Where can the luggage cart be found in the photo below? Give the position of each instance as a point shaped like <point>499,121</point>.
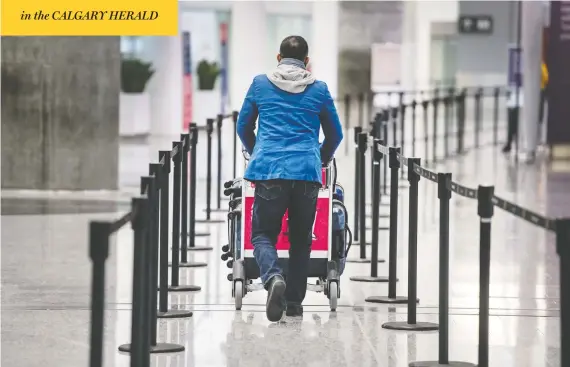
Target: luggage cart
<point>331,239</point>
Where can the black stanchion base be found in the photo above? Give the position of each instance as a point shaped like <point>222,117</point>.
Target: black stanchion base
<point>388,300</point>
<point>404,326</point>
<point>363,261</point>
<point>209,221</point>
<point>369,279</point>
<point>174,314</point>
<point>200,248</point>
<point>158,348</point>
<point>190,264</point>
<point>437,364</point>
<point>184,288</point>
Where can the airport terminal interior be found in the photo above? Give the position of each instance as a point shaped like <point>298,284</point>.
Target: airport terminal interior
<point>97,130</point>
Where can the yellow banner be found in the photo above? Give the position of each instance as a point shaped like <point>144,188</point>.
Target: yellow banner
<point>89,18</point>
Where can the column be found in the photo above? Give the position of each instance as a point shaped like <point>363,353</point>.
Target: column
<point>409,45</point>
<point>248,47</point>
<point>532,25</point>
<point>60,113</point>
<point>323,50</point>
<point>165,86</point>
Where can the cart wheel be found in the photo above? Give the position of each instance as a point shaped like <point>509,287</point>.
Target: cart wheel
<point>238,293</point>
<point>333,295</point>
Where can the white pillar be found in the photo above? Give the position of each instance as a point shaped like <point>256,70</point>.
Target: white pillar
<point>409,45</point>
<point>422,31</point>
<point>165,86</point>
<point>248,47</point>
<point>532,25</point>
<point>323,49</point>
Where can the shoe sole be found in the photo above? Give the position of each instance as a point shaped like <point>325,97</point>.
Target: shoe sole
<point>275,305</point>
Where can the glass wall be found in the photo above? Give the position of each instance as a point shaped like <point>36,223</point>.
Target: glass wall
<point>443,60</point>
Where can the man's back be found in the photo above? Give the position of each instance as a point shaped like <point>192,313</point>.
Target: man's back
<point>291,106</point>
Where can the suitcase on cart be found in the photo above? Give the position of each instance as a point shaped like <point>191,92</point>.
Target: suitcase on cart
<point>331,239</point>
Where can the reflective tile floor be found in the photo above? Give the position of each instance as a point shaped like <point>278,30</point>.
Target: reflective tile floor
<point>46,283</point>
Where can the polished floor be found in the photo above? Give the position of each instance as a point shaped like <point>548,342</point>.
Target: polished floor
<point>46,280</point>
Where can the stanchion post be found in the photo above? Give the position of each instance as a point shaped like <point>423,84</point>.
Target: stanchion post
<point>361,109</point>
<point>176,181</point>
<point>209,130</point>
<point>176,234</point>
<point>444,195</point>
<point>346,119</point>
<point>362,147</point>
<point>563,250</point>
<point>98,252</point>
<point>192,212</point>
<point>235,115</point>
<point>377,156</point>
<point>164,156</point>
<point>402,127</point>
<point>460,102</point>
<point>140,349</point>
<point>425,105</point>
<point>411,324</point>
<point>434,127</point>
<point>393,233</point>
<point>394,116</point>
<point>496,94</point>
<point>155,169</point>
<point>478,95</point>
<point>208,210</point>
<point>192,234</point>
<point>357,131</point>
<point>392,298</point>
<point>220,120</point>
<point>152,261</point>
<point>385,119</point>
<point>185,139</point>
<point>414,106</point>
<point>159,248</point>
<point>485,212</point>
<point>446,122</point>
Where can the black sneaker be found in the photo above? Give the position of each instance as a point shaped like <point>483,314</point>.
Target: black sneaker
<point>506,149</point>
<point>294,310</point>
<point>275,299</point>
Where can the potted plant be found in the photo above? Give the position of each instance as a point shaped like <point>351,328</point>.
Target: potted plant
<point>135,74</point>
<point>134,102</point>
<point>207,74</point>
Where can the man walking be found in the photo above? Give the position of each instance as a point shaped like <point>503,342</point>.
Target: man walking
<point>286,159</point>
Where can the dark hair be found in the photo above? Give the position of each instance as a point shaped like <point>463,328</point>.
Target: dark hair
<point>294,47</point>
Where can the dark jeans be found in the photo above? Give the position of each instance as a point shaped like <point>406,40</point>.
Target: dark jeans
<point>272,199</point>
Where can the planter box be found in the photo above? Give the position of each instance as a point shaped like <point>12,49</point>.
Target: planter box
<point>207,104</point>
<point>134,114</point>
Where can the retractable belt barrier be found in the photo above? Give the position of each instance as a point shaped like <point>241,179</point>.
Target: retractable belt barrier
<point>154,243</point>
<point>487,200</point>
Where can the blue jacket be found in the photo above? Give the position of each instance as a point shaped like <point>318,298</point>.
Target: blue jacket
<point>287,142</point>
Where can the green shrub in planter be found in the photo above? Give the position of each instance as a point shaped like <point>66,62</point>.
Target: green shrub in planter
<point>135,74</point>
<point>207,74</point>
